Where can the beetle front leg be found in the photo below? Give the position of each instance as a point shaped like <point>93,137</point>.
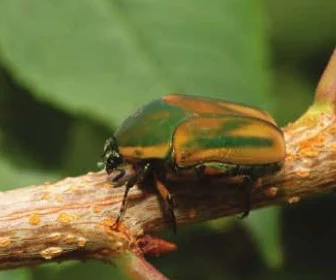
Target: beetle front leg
<point>131,182</point>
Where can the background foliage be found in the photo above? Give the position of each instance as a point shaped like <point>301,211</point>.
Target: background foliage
<point>70,71</point>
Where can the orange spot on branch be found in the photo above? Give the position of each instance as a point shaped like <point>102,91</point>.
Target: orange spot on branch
<point>34,219</point>
<point>5,241</point>
<point>66,218</point>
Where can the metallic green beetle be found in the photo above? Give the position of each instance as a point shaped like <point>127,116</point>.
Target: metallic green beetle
<point>178,132</point>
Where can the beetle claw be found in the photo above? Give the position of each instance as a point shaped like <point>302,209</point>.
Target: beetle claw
<point>244,214</point>
<point>119,176</point>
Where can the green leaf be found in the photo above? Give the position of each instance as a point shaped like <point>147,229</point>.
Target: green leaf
<point>84,147</point>
<point>292,91</point>
<point>17,274</point>
<point>106,57</point>
<point>75,270</point>
<point>265,229</point>
<point>304,36</point>
<point>12,177</point>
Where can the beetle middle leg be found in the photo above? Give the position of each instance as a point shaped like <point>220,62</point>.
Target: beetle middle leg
<point>168,198</point>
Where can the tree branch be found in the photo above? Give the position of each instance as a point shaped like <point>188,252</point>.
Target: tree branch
<point>74,218</point>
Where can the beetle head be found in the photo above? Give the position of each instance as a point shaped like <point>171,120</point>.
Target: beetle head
<point>111,155</point>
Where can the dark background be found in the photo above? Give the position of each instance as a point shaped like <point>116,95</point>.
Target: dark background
<point>71,71</point>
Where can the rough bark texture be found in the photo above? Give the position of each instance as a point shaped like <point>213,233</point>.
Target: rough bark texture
<point>74,218</point>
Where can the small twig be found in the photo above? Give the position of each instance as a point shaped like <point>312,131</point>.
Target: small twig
<point>74,218</point>
<point>326,89</point>
<point>139,269</point>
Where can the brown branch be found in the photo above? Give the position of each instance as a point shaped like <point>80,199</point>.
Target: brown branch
<point>73,218</point>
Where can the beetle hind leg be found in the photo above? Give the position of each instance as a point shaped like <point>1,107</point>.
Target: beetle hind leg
<point>247,188</point>
<point>200,172</point>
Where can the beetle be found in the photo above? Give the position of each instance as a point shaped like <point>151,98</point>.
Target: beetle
<point>179,132</point>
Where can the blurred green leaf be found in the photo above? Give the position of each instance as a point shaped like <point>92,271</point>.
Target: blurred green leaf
<point>296,274</point>
<point>221,224</point>
<point>33,133</point>
<point>75,270</point>
<point>107,57</point>
<point>265,228</point>
<point>17,274</point>
<point>309,234</point>
<point>12,177</point>
<point>85,146</point>
<point>300,28</point>
<point>292,92</point>
<point>206,252</point>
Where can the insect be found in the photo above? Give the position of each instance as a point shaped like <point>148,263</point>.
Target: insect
<point>179,132</point>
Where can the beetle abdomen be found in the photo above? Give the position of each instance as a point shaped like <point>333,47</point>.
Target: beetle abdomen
<point>236,140</point>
